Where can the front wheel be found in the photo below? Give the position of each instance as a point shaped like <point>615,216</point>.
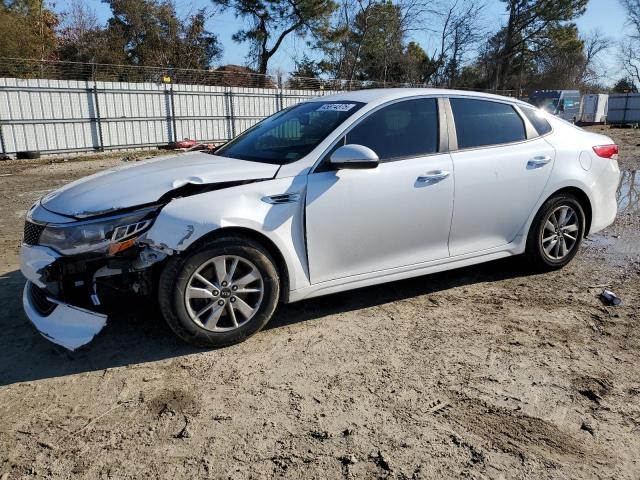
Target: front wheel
<point>221,293</point>
<point>556,233</point>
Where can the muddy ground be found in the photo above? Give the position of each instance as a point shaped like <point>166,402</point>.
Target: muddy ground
<point>487,372</point>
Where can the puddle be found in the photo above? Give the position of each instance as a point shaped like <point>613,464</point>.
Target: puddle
<point>628,193</point>
<point>619,249</point>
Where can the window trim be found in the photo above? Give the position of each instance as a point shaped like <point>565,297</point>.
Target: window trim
<point>523,115</point>
<point>530,132</point>
<point>443,137</point>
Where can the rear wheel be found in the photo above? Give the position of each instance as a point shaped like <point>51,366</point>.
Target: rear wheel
<point>221,293</point>
<point>556,233</point>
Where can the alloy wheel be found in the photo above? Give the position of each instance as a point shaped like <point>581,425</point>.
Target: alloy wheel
<point>224,293</point>
<point>559,235</point>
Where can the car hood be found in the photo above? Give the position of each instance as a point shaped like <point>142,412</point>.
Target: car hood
<point>146,182</point>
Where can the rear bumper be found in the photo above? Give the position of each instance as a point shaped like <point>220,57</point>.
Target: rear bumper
<point>63,324</point>
<point>605,203</point>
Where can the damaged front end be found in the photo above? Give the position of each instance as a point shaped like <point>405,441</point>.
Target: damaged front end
<point>79,272</point>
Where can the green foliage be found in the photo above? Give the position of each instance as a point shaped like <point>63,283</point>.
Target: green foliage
<point>625,85</point>
<point>148,32</point>
<point>529,26</point>
<point>273,20</point>
<point>559,60</point>
<point>305,75</point>
<point>373,47</point>
<point>377,41</point>
<point>27,30</point>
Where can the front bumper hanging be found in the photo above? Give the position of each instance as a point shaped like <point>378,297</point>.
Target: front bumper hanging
<point>66,325</point>
<point>59,322</point>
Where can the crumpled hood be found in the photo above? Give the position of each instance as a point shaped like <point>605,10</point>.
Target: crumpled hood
<point>145,182</point>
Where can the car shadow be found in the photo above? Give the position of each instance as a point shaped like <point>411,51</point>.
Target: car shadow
<point>142,336</point>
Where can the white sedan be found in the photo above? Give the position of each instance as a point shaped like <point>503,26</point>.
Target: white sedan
<point>335,193</point>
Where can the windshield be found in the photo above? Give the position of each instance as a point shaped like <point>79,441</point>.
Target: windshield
<point>290,134</point>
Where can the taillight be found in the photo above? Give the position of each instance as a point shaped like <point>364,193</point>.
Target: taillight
<point>607,151</point>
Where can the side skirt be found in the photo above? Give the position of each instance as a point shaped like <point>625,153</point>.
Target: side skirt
<point>401,273</point>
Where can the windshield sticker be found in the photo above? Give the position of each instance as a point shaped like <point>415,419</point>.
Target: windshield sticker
<point>336,107</point>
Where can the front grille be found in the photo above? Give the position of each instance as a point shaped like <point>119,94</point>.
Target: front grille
<point>40,302</point>
<point>32,232</point>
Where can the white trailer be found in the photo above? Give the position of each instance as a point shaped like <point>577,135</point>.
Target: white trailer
<point>594,109</point>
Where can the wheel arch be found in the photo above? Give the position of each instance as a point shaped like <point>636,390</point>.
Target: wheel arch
<point>262,239</point>
<point>583,199</point>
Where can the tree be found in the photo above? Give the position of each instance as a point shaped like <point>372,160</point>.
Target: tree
<point>595,44</point>
<point>625,85</point>
<point>378,39</point>
<point>27,29</point>
<point>457,34</point>
<point>630,45</point>
<point>529,22</point>
<point>419,67</point>
<point>366,39</point>
<point>272,21</point>
<point>305,75</point>
<point>149,33</point>
<point>80,35</point>
<point>559,61</point>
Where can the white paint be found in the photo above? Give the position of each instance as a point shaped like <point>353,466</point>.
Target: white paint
<point>352,228</point>
<point>145,182</point>
<point>496,190</point>
<point>585,160</point>
<point>33,261</point>
<point>594,108</point>
<point>68,326</point>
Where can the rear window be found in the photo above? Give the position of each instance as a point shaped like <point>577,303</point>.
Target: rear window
<point>481,122</point>
<point>537,120</point>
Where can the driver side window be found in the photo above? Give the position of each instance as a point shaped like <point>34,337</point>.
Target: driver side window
<point>400,130</point>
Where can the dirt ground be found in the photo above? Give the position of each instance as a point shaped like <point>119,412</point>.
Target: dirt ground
<point>487,372</point>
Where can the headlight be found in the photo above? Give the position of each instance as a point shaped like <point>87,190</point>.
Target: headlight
<point>108,234</point>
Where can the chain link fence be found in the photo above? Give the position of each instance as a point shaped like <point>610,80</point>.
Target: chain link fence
<point>60,107</point>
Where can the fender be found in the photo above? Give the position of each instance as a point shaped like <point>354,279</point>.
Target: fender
<point>184,221</point>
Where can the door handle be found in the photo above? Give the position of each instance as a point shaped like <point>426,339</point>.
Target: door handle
<point>433,177</point>
<point>537,162</point>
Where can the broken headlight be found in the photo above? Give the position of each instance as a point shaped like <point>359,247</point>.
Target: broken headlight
<point>107,234</point>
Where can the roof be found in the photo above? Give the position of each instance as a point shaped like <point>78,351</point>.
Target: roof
<point>380,95</point>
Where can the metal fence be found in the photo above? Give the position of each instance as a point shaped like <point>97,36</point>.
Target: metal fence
<point>624,108</point>
<point>61,107</point>
<point>61,116</point>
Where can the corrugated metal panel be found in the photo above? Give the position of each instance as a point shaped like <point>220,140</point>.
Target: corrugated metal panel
<point>624,108</point>
<point>64,115</point>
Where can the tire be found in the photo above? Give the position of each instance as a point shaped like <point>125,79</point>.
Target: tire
<point>231,327</point>
<point>536,253</point>
<point>28,155</point>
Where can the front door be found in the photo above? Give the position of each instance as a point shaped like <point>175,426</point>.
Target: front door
<point>398,214</point>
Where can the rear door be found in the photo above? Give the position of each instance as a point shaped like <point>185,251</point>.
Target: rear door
<point>500,174</point>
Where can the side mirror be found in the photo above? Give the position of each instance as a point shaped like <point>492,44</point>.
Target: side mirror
<point>354,157</point>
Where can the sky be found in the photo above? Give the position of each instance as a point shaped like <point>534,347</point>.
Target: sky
<point>607,15</point>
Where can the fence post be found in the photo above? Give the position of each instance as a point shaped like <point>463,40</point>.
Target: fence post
<point>626,104</point>
<point>280,99</point>
<point>98,119</point>
<point>228,106</point>
<point>173,115</point>
<point>2,144</point>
